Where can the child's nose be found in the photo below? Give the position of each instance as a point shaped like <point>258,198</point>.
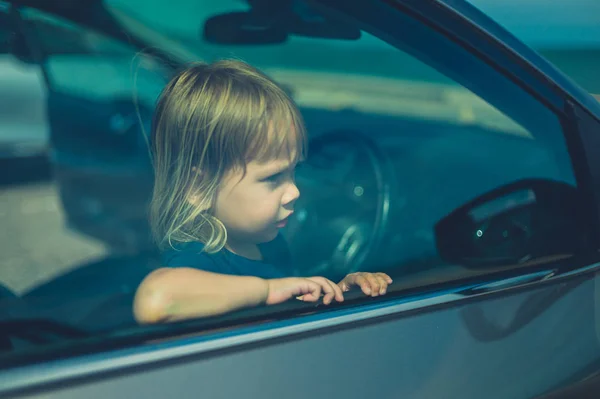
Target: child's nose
<point>291,194</point>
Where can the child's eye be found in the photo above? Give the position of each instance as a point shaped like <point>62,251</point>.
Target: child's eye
<point>278,178</point>
<point>273,178</point>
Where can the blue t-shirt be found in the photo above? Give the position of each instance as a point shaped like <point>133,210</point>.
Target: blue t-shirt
<point>276,261</point>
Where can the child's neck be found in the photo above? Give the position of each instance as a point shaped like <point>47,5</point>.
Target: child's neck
<point>245,250</point>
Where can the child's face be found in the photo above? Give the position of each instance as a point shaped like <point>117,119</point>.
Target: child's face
<point>253,207</point>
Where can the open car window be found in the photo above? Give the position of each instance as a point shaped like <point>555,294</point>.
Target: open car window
<point>424,163</point>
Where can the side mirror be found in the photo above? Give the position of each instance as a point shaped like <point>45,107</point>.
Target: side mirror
<point>514,224</point>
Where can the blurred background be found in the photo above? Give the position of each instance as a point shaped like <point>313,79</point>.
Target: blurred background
<point>566,32</point>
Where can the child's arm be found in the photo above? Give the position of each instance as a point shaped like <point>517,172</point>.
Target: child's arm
<point>170,294</point>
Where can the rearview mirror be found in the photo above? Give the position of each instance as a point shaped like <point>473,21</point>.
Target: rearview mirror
<point>272,27</point>
<point>242,28</point>
<point>514,224</point>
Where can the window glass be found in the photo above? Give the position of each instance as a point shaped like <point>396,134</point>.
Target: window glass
<point>569,37</point>
<point>77,58</point>
<point>410,172</point>
<point>23,127</point>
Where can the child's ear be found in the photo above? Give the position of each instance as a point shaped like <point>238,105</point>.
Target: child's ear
<point>194,199</point>
<point>198,201</point>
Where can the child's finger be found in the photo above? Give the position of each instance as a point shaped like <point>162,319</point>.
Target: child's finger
<point>344,286</point>
<point>339,293</point>
<point>330,290</point>
<point>383,284</point>
<point>387,278</point>
<point>327,288</point>
<point>363,283</point>
<point>314,291</point>
<point>374,284</point>
<point>310,297</point>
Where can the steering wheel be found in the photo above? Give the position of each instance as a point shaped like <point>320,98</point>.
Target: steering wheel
<point>341,216</point>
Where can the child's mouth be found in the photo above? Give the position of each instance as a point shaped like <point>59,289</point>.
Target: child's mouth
<point>281,224</point>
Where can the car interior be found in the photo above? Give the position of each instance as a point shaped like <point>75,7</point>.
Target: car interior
<point>389,178</point>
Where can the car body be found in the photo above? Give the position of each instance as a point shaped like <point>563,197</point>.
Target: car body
<point>444,152</point>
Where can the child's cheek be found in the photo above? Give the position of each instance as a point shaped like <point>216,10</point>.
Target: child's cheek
<point>267,209</point>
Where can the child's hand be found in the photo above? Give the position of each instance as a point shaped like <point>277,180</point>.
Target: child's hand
<point>309,289</point>
<point>373,284</point>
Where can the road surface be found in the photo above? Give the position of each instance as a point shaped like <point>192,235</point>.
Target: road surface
<point>34,244</point>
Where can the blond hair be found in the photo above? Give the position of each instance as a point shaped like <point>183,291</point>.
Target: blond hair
<point>209,120</point>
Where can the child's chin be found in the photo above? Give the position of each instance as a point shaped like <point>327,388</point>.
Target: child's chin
<point>269,236</point>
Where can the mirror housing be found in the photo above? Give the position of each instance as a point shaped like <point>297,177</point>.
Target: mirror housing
<point>514,224</point>
<point>242,28</point>
<point>272,22</point>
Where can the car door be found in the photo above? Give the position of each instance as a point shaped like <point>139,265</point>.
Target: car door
<point>491,231</point>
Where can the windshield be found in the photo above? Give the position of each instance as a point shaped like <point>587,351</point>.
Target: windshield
<point>306,66</point>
